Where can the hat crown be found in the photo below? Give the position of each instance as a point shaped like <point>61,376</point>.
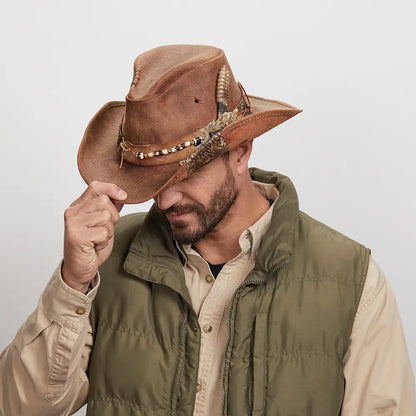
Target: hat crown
<point>154,70</point>
<point>173,93</point>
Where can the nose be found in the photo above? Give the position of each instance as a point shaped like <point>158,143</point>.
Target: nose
<point>169,197</point>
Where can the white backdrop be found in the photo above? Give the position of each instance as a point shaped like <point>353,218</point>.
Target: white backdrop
<point>350,65</point>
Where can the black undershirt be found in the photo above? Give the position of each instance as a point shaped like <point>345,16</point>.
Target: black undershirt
<point>215,268</point>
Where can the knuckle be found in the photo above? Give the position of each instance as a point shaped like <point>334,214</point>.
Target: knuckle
<point>107,215</point>
<point>102,199</point>
<point>68,213</point>
<point>105,234</point>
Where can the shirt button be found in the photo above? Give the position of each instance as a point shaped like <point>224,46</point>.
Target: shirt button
<point>80,310</point>
<point>207,328</point>
<point>209,278</point>
<point>198,388</point>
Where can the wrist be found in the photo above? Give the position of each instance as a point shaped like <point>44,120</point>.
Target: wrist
<point>79,287</point>
<point>74,283</point>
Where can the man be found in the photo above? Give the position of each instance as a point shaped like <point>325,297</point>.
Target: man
<point>224,298</point>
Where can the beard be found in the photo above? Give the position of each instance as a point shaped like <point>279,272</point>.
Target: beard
<point>208,218</point>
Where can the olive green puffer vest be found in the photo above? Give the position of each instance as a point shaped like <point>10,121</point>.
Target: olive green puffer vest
<point>289,325</point>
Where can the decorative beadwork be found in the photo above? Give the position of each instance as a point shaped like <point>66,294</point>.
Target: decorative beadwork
<point>196,141</point>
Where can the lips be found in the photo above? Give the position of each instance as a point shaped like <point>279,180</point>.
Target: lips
<point>175,216</point>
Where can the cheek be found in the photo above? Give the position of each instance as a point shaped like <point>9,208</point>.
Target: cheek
<point>200,194</point>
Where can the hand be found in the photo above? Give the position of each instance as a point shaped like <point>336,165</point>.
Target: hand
<point>89,232</point>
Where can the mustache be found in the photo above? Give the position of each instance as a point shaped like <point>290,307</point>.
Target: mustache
<point>183,209</point>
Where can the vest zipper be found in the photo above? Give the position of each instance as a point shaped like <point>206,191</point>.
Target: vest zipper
<point>250,393</point>
<point>181,369</point>
<point>238,290</point>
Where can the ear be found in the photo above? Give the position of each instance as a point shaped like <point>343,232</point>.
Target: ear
<point>241,155</point>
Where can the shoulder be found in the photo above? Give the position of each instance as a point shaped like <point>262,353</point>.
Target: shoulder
<point>320,236</point>
<point>336,256</point>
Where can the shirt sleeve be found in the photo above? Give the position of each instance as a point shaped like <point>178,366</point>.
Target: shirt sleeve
<point>43,370</point>
<point>378,373</point>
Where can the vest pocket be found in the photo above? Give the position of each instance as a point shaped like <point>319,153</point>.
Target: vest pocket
<point>258,388</point>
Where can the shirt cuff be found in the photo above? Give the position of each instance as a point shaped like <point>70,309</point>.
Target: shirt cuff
<point>65,305</point>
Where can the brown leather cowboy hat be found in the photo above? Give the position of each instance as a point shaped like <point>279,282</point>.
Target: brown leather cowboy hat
<point>184,108</point>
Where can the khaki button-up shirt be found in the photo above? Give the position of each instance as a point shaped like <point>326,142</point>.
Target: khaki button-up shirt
<point>43,371</point>
<point>211,300</point>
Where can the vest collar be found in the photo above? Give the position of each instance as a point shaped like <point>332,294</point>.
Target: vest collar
<point>153,255</point>
<point>278,241</point>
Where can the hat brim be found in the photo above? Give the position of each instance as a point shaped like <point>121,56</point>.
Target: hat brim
<point>99,159</point>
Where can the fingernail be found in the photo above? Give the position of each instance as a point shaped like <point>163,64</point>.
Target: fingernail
<point>122,194</point>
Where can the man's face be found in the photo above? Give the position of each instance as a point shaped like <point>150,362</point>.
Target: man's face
<point>195,206</point>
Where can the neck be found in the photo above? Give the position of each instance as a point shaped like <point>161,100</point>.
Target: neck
<point>222,243</point>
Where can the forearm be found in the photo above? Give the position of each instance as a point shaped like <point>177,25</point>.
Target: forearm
<point>43,369</point>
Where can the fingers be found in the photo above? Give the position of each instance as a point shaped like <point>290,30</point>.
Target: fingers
<point>81,226</point>
<point>99,237</point>
<point>94,209</point>
<point>99,203</point>
<point>96,189</point>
